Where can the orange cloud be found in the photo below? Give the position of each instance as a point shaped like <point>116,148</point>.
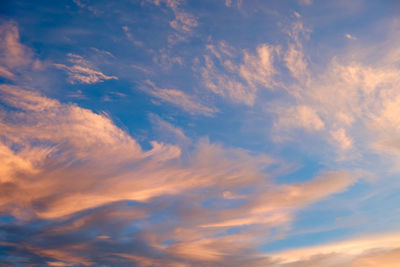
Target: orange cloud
<point>372,250</point>
<point>71,164</point>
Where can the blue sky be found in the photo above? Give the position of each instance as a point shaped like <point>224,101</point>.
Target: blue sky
<point>199,133</point>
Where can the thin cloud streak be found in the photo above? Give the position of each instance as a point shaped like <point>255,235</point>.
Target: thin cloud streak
<point>82,71</point>
<point>178,98</point>
<point>371,250</point>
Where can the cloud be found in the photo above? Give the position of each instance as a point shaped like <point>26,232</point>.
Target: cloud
<point>258,69</point>
<point>306,2</point>
<point>82,71</point>
<point>238,82</point>
<point>6,73</point>
<point>347,93</point>
<point>230,3</point>
<point>77,190</point>
<point>295,62</point>
<point>130,36</point>
<point>302,117</point>
<point>294,57</point>
<point>98,195</point>
<point>178,98</point>
<point>351,101</point>
<point>84,5</point>
<point>372,250</point>
<point>184,23</point>
<point>75,132</point>
<point>166,60</point>
<point>14,56</point>
<point>350,37</point>
<point>239,78</point>
<point>168,131</point>
<point>342,139</point>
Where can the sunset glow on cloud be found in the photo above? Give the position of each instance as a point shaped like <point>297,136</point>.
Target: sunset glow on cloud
<point>199,133</point>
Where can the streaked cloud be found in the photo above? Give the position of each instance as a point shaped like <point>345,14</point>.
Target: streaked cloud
<point>130,36</point>
<point>238,82</point>
<point>168,131</point>
<point>178,98</point>
<point>184,23</point>
<point>13,54</point>
<point>372,250</point>
<point>82,71</point>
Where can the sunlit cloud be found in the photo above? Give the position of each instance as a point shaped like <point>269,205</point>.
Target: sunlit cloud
<point>15,56</point>
<point>372,250</point>
<point>178,98</point>
<point>60,155</point>
<point>82,71</point>
<point>184,23</point>
<point>350,37</point>
<point>175,133</point>
<point>238,82</point>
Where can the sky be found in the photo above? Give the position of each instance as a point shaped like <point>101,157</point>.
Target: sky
<point>200,133</point>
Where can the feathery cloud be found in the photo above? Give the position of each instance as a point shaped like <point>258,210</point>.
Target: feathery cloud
<point>82,71</point>
<point>178,98</point>
<point>238,82</point>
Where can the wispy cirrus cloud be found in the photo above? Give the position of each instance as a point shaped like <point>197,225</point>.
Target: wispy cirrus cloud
<point>240,78</point>
<point>82,71</point>
<point>86,5</point>
<point>178,98</point>
<point>168,131</point>
<point>130,36</point>
<point>15,56</point>
<point>238,82</point>
<point>183,23</point>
